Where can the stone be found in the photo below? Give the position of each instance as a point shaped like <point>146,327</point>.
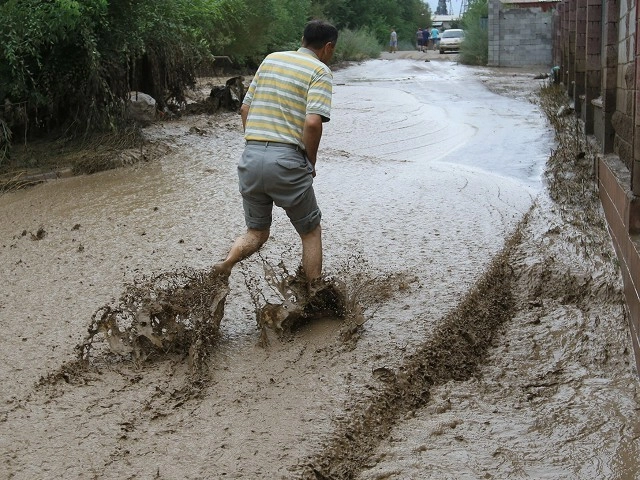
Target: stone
<point>141,108</point>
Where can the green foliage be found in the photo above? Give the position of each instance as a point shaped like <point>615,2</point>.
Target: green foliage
<point>356,45</point>
<point>69,63</point>
<point>378,16</point>
<point>266,26</point>
<point>47,48</point>
<point>475,48</point>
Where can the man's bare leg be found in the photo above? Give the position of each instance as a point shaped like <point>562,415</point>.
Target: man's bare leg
<point>312,254</point>
<point>244,246</point>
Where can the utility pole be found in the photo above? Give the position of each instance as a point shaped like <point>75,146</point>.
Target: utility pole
<point>463,6</point>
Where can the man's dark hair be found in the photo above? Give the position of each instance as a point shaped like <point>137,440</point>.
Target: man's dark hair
<point>317,33</point>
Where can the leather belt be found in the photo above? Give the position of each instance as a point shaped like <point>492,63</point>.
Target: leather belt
<point>275,144</point>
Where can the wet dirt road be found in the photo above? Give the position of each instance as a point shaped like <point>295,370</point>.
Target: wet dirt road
<point>423,174</point>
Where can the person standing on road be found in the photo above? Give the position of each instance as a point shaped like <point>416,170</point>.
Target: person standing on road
<point>435,37</point>
<point>393,41</point>
<point>419,40</point>
<point>282,114</point>
<point>425,39</point>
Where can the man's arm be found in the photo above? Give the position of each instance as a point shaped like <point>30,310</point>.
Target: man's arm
<point>311,135</point>
<point>244,111</point>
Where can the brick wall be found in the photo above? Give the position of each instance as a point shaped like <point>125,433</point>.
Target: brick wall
<point>598,45</point>
<point>581,52</point>
<point>618,203</point>
<point>623,117</point>
<point>636,127</point>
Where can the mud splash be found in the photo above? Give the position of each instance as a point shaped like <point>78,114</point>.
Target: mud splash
<point>177,312</point>
<point>350,295</point>
<point>180,312</point>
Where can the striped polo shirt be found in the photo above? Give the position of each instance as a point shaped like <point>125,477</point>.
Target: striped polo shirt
<point>287,87</point>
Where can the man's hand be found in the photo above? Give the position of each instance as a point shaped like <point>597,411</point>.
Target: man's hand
<point>311,138</point>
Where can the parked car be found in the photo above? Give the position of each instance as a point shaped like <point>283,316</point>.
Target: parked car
<point>450,40</point>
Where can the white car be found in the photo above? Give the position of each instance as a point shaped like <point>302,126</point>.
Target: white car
<point>450,40</point>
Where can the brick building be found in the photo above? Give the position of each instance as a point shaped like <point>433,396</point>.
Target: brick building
<point>597,47</point>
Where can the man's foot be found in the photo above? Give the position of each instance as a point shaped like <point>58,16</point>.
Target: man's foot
<point>221,269</point>
<point>325,298</point>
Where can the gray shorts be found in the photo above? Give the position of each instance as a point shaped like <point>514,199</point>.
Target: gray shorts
<point>277,173</point>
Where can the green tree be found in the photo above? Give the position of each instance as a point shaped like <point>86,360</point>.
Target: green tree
<point>69,62</point>
<point>378,16</point>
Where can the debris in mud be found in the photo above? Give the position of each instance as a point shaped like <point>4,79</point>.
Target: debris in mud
<point>178,312</point>
<point>39,235</point>
<point>570,169</point>
<point>198,131</point>
<point>231,95</point>
<point>228,97</point>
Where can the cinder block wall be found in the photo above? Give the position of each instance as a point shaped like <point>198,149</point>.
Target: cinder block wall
<point>519,36</point>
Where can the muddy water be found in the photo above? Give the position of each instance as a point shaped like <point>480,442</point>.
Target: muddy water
<point>422,173</point>
<point>439,112</point>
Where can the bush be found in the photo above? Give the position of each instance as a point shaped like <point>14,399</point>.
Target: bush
<point>70,63</point>
<point>356,45</point>
<point>475,47</point>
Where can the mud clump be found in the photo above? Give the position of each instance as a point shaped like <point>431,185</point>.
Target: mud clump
<point>177,312</point>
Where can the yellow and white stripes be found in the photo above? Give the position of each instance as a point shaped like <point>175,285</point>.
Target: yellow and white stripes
<point>287,87</point>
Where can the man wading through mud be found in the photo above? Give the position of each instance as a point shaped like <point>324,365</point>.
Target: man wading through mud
<point>282,114</point>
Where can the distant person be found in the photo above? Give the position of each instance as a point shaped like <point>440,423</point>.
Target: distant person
<point>435,37</point>
<point>393,41</point>
<point>419,40</point>
<point>425,38</point>
<point>282,114</point>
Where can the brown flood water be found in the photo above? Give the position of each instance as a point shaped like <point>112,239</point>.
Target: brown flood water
<point>423,175</point>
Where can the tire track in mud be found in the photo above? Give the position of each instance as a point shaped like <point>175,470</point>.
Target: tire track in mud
<point>461,342</point>
<point>455,350</point>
